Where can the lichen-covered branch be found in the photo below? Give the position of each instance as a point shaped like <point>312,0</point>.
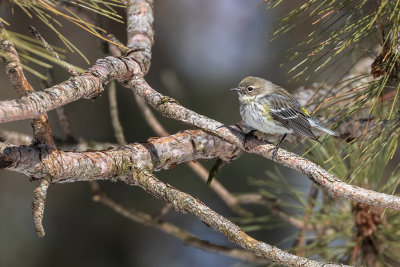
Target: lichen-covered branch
<point>39,199</point>
<point>159,153</point>
<point>86,85</point>
<point>163,153</point>
<point>140,32</point>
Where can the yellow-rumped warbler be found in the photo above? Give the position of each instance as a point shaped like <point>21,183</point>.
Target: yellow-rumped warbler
<point>271,109</point>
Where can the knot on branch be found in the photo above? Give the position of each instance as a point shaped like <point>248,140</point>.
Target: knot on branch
<point>141,55</point>
<point>119,68</point>
<point>95,85</point>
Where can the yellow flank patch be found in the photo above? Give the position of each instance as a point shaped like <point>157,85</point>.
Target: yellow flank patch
<point>305,111</point>
<point>267,112</point>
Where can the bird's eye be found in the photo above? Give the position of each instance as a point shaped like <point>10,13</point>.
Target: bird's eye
<point>250,88</point>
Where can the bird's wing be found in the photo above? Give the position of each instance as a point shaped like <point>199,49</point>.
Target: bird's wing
<point>288,111</point>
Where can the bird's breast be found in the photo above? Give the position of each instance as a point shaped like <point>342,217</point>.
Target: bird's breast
<point>257,116</point>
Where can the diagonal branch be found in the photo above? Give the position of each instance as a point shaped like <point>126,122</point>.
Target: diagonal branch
<point>53,53</point>
<point>86,85</point>
<point>185,203</point>
<point>172,229</point>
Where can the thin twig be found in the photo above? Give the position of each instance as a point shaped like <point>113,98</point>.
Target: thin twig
<point>163,212</point>
<point>38,203</point>
<point>18,138</point>
<point>112,99</point>
<point>46,46</point>
<point>301,239</point>
<point>116,50</point>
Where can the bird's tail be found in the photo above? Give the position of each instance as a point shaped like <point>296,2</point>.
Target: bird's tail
<point>315,124</point>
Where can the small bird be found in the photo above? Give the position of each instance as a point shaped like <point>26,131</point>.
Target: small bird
<point>270,109</point>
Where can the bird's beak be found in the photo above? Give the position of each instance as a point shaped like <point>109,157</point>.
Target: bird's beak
<point>235,89</point>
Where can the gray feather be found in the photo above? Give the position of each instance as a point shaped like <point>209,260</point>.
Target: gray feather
<point>315,124</point>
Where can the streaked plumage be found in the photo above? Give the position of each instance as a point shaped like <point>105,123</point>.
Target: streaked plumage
<point>271,109</point>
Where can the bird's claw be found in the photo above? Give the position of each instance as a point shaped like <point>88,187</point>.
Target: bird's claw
<point>275,152</point>
<point>248,137</point>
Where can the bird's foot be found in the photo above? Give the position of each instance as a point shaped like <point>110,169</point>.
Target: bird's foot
<point>275,152</point>
<point>248,137</point>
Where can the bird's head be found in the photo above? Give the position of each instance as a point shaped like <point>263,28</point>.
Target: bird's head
<point>252,87</point>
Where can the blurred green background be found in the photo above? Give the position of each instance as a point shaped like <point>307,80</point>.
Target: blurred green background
<point>202,49</point>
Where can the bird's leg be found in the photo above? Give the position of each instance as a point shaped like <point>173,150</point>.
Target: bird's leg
<point>248,136</point>
<point>278,146</point>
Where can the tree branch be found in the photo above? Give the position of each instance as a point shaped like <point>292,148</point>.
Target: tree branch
<point>185,203</point>
<point>41,126</point>
<point>112,101</point>
<point>159,153</point>
<point>172,229</point>
<point>46,46</point>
